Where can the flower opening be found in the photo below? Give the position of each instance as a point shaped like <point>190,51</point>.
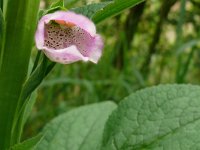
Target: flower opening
<point>66,37</point>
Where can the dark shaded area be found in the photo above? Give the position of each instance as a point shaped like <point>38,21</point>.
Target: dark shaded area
<point>129,28</point>
<point>164,11</point>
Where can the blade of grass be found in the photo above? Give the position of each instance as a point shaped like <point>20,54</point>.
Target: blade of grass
<point>186,65</point>
<point>30,85</point>
<point>36,77</point>
<point>1,4</point>
<point>36,61</point>
<point>179,40</point>
<point>2,33</point>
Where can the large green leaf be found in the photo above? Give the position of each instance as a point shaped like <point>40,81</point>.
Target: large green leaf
<point>91,9</point>
<point>21,18</point>
<point>163,117</point>
<point>79,129</point>
<point>114,9</point>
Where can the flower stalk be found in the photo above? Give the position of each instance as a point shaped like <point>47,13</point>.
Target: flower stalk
<point>21,19</point>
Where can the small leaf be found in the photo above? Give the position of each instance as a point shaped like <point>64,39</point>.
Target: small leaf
<point>91,9</point>
<point>52,10</point>
<point>163,117</point>
<point>28,144</point>
<point>114,8</point>
<point>81,128</point>
<point>70,3</point>
<point>59,3</point>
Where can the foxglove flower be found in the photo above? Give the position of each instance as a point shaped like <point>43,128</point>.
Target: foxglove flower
<point>67,37</point>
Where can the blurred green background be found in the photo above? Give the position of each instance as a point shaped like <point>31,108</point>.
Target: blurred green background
<point>155,42</point>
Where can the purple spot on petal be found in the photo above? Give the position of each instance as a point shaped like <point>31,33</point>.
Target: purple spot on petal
<point>60,37</point>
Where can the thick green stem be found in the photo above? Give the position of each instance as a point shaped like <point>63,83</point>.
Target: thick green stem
<point>20,18</point>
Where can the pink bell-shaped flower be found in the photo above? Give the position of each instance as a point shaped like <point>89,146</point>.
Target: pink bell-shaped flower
<point>67,37</point>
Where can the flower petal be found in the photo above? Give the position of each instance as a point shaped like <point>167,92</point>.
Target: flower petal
<point>65,56</point>
<point>68,16</point>
<point>39,36</point>
<point>96,51</point>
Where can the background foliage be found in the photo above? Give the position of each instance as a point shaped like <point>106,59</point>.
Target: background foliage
<point>152,43</point>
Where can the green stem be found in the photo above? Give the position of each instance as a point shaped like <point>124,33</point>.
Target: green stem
<point>20,18</point>
<point>185,67</point>
<point>179,32</point>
